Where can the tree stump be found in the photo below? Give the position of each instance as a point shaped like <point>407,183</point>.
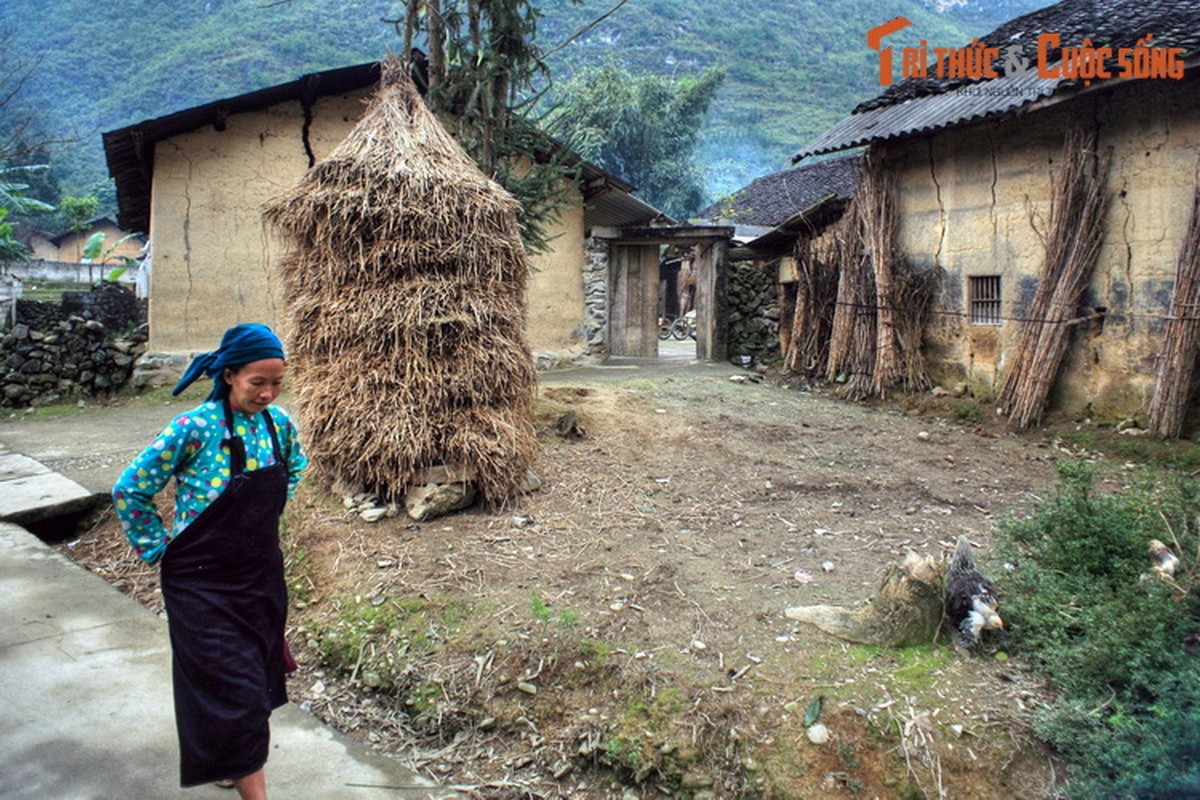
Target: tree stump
<point>907,608</point>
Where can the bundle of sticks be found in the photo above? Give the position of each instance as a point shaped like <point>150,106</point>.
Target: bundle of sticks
<point>817,267</point>
<point>1072,245</point>
<point>1181,342</point>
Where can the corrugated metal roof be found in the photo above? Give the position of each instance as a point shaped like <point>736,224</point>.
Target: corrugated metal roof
<point>618,209</point>
<point>922,105</point>
<point>925,114</point>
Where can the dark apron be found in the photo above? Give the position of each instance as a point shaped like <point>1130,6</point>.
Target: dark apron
<point>226,600</point>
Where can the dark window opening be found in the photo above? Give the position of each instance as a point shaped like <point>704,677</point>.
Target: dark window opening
<point>983,299</point>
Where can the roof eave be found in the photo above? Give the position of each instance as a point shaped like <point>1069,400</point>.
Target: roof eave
<point>932,113</point>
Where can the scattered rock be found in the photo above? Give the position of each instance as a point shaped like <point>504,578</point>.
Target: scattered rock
<point>818,733</point>
<point>429,502</point>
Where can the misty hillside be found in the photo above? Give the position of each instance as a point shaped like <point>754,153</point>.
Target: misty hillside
<point>793,67</point>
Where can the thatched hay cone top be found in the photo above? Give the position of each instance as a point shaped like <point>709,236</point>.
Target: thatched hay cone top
<point>405,297</point>
<point>400,193</point>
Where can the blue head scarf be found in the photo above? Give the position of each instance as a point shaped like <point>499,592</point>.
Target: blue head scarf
<point>241,344</point>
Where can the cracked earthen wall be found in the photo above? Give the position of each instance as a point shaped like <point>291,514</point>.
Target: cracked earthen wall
<point>976,201</point>
<point>213,254</point>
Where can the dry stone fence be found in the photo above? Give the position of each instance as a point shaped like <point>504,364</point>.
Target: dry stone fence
<point>85,346</point>
<point>753,312</point>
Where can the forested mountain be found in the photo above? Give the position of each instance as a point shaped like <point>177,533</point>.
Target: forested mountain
<point>793,67</point>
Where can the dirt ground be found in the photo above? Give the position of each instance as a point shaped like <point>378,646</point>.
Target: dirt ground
<point>620,632</point>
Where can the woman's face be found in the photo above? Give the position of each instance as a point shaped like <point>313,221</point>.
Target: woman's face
<point>254,386</point>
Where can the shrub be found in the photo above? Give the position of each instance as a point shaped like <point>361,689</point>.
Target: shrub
<point>1085,609</point>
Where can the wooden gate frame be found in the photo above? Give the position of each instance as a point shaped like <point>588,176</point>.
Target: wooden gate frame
<point>633,261</point>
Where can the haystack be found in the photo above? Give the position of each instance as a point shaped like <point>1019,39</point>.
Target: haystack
<point>405,299</point>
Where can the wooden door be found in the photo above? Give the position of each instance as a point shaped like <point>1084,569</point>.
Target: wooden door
<point>633,300</point>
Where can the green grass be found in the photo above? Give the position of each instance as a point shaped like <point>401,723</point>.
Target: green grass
<point>1181,454</point>
<point>50,291</point>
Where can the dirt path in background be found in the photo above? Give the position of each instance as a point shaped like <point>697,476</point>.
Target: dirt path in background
<point>620,632</point>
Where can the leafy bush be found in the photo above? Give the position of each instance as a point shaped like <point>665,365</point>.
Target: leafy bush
<point>1085,608</point>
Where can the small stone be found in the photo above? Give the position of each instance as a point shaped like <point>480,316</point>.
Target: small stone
<point>527,687</point>
<point>374,513</point>
<point>957,730</point>
<point>818,734</point>
<point>923,436</point>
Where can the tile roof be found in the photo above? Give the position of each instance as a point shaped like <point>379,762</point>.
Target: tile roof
<point>773,199</point>
<point>918,105</point>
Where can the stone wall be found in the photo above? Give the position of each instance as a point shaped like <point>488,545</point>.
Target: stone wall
<point>84,347</point>
<point>595,295</point>
<point>753,312</point>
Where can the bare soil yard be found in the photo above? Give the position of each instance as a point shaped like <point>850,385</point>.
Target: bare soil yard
<point>621,633</point>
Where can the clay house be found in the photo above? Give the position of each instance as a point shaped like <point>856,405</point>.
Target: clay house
<point>39,244</point>
<point>69,247</point>
<point>1096,101</point>
<point>197,180</point>
<point>771,218</point>
<point>61,258</point>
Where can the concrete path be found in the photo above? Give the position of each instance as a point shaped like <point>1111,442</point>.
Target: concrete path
<point>85,701</point>
<point>85,676</point>
<point>85,695</point>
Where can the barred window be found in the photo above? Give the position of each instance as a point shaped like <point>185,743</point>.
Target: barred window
<point>983,298</point>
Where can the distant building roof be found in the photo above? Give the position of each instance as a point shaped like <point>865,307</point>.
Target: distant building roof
<point>921,105</point>
<point>88,228</point>
<point>130,150</point>
<point>773,199</point>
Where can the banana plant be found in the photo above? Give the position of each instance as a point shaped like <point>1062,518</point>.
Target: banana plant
<point>95,253</point>
<point>12,192</point>
<point>13,199</point>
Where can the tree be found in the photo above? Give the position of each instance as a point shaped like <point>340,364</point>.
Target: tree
<point>78,211</point>
<point>484,75</point>
<point>641,128</point>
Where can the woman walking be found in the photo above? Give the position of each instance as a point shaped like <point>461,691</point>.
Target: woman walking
<point>235,459</point>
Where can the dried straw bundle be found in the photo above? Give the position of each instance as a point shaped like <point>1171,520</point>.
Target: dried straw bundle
<point>1076,232</point>
<point>807,350</point>
<point>846,307</point>
<point>913,294</point>
<point>882,305</point>
<point>1173,388</point>
<point>405,297</point>
<point>864,337</point>
<point>877,214</point>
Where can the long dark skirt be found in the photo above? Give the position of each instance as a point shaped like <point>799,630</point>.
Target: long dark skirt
<point>226,601</point>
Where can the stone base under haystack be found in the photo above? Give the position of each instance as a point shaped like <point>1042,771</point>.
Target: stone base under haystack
<point>435,492</point>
